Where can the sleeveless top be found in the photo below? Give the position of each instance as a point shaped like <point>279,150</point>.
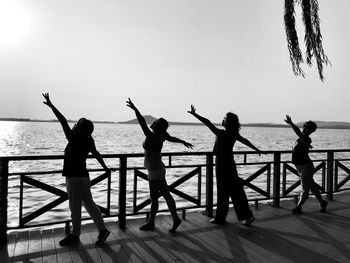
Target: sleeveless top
<point>224,145</point>
<point>224,163</point>
<point>153,157</point>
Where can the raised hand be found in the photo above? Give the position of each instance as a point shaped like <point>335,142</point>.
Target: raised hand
<point>193,110</point>
<point>288,119</point>
<point>130,104</point>
<point>47,98</point>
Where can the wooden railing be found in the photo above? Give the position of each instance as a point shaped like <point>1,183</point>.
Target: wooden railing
<point>332,174</point>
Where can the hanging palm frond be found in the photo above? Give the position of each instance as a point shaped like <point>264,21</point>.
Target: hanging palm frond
<point>313,37</point>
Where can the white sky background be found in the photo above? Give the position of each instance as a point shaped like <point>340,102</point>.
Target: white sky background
<point>220,55</point>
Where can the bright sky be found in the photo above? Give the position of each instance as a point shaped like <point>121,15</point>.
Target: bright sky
<point>220,55</point>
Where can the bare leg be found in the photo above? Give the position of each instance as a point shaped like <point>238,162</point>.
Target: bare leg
<point>164,190</point>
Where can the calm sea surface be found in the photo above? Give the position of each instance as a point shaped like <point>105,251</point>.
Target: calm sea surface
<point>35,138</point>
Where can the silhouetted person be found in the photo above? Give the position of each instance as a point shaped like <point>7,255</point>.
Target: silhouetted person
<point>156,169</point>
<point>227,180</point>
<point>80,143</point>
<point>304,165</point>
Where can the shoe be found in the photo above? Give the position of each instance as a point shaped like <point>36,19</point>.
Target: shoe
<point>249,221</point>
<point>216,222</point>
<point>69,240</point>
<point>147,227</point>
<point>102,236</point>
<point>297,210</point>
<point>175,225</point>
<point>323,206</point>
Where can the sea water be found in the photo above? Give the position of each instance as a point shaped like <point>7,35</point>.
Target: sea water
<point>47,138</point>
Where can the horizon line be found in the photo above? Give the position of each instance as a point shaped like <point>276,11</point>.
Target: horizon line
<point>346,125</point>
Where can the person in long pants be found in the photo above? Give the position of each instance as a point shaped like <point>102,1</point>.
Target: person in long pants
<point>80,144</point>
<point>228,182</point>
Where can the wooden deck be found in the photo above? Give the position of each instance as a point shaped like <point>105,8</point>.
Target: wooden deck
<point>276,236</point>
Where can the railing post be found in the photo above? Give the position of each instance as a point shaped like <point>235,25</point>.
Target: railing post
<point>276,179</point>
<point>109,181</point>
<point>3,200</point>
<point>209,185</point>
<point>330,165</point>
<point>122,192</point>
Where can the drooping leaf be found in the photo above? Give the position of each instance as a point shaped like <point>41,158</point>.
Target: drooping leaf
<point>292,38</point>
<point>312,38</point>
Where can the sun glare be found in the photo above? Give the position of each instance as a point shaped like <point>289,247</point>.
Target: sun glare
<point>15,23</point>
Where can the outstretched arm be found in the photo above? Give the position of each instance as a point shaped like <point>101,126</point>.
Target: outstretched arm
<point>64,123</point>
<point>248,143</point>
<point>139,117</point>
<point>294,127</point>
<point>204,120</point>
<point>177,140</point>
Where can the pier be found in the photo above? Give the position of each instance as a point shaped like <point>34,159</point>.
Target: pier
<point>276,235</point>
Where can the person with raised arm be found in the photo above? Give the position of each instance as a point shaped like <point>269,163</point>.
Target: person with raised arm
<point>80,144</point>
<point>155,136</point>
<point>304,165</point>
<point>229,184</point>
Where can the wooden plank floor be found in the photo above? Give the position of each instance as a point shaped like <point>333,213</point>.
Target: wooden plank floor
<point>276,236</point>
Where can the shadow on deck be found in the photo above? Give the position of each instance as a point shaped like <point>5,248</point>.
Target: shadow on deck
<point>276,236</point>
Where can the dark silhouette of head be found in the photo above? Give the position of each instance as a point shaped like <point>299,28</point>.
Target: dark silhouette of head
<point>84,128</point>
<point>309,127</point>
<point>160,125</point>
<point>231,123</point>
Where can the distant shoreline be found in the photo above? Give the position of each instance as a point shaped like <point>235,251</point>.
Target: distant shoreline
<point>34,120</point>
<point>150,119</point>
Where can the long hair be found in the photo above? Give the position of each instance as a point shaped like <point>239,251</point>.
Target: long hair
<point>232,123</point>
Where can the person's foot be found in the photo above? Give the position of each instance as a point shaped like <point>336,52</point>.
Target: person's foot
<point>102,236</point>
<point>248,221</point>
<point>175,225</point>
<point>69,240</point>
<point>323,206</point>
<point>147,227</point>
<point>297,210</point>
<point>216,222</point>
